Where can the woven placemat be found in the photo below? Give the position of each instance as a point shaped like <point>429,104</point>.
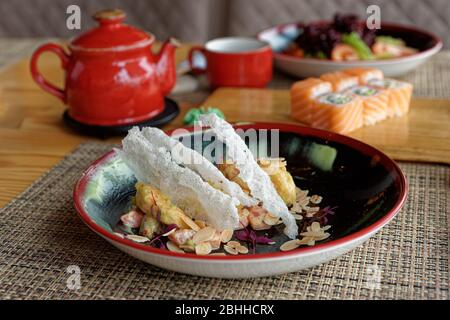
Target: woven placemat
<point>41,236</point>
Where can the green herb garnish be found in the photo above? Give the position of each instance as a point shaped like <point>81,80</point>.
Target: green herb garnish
<point>321,55</point>
<point>316,55</point>
<point>355,41</point>
<point>193,114</point>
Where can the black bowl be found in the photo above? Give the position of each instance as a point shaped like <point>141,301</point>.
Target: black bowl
<point>363,186</point>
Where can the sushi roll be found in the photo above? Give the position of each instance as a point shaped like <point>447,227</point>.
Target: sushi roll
<point>340,80</point>
<point>338,112</point>
<point>374,101</point>
<point>399,95</point>
<point>303,94</point>
<point>365,74</point>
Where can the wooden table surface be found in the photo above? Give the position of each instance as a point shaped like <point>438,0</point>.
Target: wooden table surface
<point>33,137</point>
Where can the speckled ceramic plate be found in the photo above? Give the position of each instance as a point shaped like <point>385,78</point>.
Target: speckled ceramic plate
<point>366,187</point>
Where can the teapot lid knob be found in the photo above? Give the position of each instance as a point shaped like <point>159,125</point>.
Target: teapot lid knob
<point>111,35</point>
<point>109,16</point>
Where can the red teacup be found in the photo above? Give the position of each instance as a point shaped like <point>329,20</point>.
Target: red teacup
<point>235,62</point>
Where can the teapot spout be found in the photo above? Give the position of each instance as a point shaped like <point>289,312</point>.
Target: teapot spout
<point>165,65</point>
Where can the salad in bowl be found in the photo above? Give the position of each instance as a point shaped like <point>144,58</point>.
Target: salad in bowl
<point>311,49</point>
<point>345,38</point>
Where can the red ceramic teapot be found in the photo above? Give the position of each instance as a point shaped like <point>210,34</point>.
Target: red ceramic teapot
<point>111,75</point>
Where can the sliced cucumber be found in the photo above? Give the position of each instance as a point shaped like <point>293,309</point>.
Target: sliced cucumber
<point>322,156</point>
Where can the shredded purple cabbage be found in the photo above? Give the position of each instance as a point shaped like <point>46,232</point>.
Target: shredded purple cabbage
<point>321,38</point>
<point>250,236</point>
<point>156,240</point>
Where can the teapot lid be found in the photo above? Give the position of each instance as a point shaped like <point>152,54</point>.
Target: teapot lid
<point>111,34</point>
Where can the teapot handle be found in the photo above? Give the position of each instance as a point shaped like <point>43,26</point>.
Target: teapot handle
<point>37,76</point>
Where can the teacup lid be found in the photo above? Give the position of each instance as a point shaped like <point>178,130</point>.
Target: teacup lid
<point>111,34</point>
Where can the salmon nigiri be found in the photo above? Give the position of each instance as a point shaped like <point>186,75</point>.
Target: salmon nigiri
<point>338,112</point>
<point>375,102</point>
<point>399,95</point>
<point>340,80</point>
<point>365,74</point>
<point>303,94</point>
